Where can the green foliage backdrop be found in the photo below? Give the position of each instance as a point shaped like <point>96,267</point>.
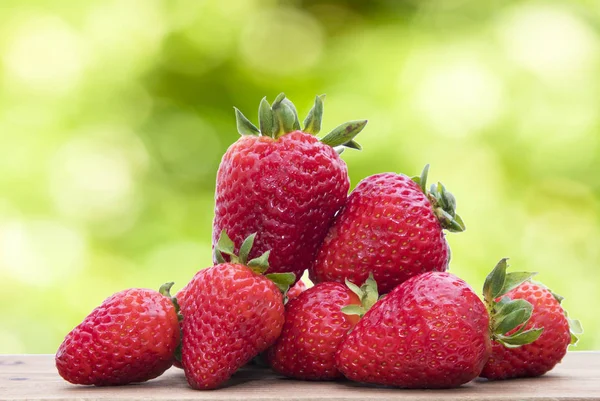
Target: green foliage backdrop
<point>114,115</point>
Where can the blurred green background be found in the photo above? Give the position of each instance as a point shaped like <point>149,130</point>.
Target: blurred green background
<point>114,115</point>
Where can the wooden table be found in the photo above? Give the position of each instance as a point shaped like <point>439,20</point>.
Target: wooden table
<point>34,377</point>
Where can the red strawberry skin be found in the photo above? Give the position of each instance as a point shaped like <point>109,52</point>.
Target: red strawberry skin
<point>314,327</point>
<point>543,354</point>
<point>296,290</point>
<point>430,332</point>
<point>287,190</point>
<point>131,337</point>
<point>388,227</point>
<point>230,315</point>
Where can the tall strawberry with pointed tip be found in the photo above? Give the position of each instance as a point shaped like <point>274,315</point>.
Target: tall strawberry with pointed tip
<point>283,183</point>
<point>231,313</point>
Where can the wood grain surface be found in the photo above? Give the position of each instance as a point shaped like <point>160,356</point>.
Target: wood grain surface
<point>34,377</point>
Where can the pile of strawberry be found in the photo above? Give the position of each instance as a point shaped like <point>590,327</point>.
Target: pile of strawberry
<point>383,310</point>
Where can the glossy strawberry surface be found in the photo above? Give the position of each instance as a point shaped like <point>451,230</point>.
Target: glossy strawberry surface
<point>314,327</point>
<point>130,337</point>
<point>387,227</point>
<point>543,354</point>
<point>296,290</point>
<point>429,332</point>
<point>286,189</point>
<point>230,315</point>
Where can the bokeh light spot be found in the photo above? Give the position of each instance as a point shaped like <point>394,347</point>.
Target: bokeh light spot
<point>282,41</point>
<point>547,40</point>
<point>41,252</point>
<point>45,54</point>
<point>459,97</point>
<point>92,177</point>
<point>124,34</point>
<point>10,343</point>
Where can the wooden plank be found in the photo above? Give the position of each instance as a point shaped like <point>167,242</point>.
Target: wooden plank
<point>34,377</point>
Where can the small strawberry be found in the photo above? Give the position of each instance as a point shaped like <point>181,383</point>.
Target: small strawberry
<point>314,327</point>
<point>391,226</point>
<point>296,290</point>
<point>231,313</point>
<point>432,331</point>
<point>131,337</point>
<point>283,183</point>
<point>543,354</point>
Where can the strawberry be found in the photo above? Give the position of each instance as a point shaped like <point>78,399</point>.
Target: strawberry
<point>283,183</point>
<point>390,226</point>
<point>314,327</point>
<point>296,290</point>
<point>432,331</point>
<point>131,337</point>
<point>543,354</point>
<point>231,313</point>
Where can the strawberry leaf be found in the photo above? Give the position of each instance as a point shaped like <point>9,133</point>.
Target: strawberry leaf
<point>165,289</point>
<point>225,244</point>
<point>265,118</point>
<point>355,289</point>
<point>422,179</point>
<point>290,105</point>
<point>354,310</point>
<point>244,126</point>
<point>519,339</point>
<point>260,264</point>
<point>285,117</point>
<point>283,281</point>
<point>512,315</point>
<point>370,290</point>
<point>443,203</point>
<point>344,134</point>
<point>558,297</point>
<point>515,279</point>
<point>367,294</point>
<point>494,282</point>
<point>352,144</point>
<point>219,256</point>
<point>246,247</point>
<point>312,122</point>
<point>575,328</point>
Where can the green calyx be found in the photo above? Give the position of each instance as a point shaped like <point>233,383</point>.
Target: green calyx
<point>165,290</point>
<point>281,117</point>
<point>443,202</point>
<point>259,265</point>
<point>506,315</point>
<point>367,293</point>
<point>575,327</point>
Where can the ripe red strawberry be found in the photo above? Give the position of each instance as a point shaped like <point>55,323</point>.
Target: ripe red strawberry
<point>543,354</point>
<point>314,327</point>
<point>296,290</point>
<point>432,331</point>
<point>231,313</point>
<point>283,183</point>
<point>131,337</point>
<point>391,227</point>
